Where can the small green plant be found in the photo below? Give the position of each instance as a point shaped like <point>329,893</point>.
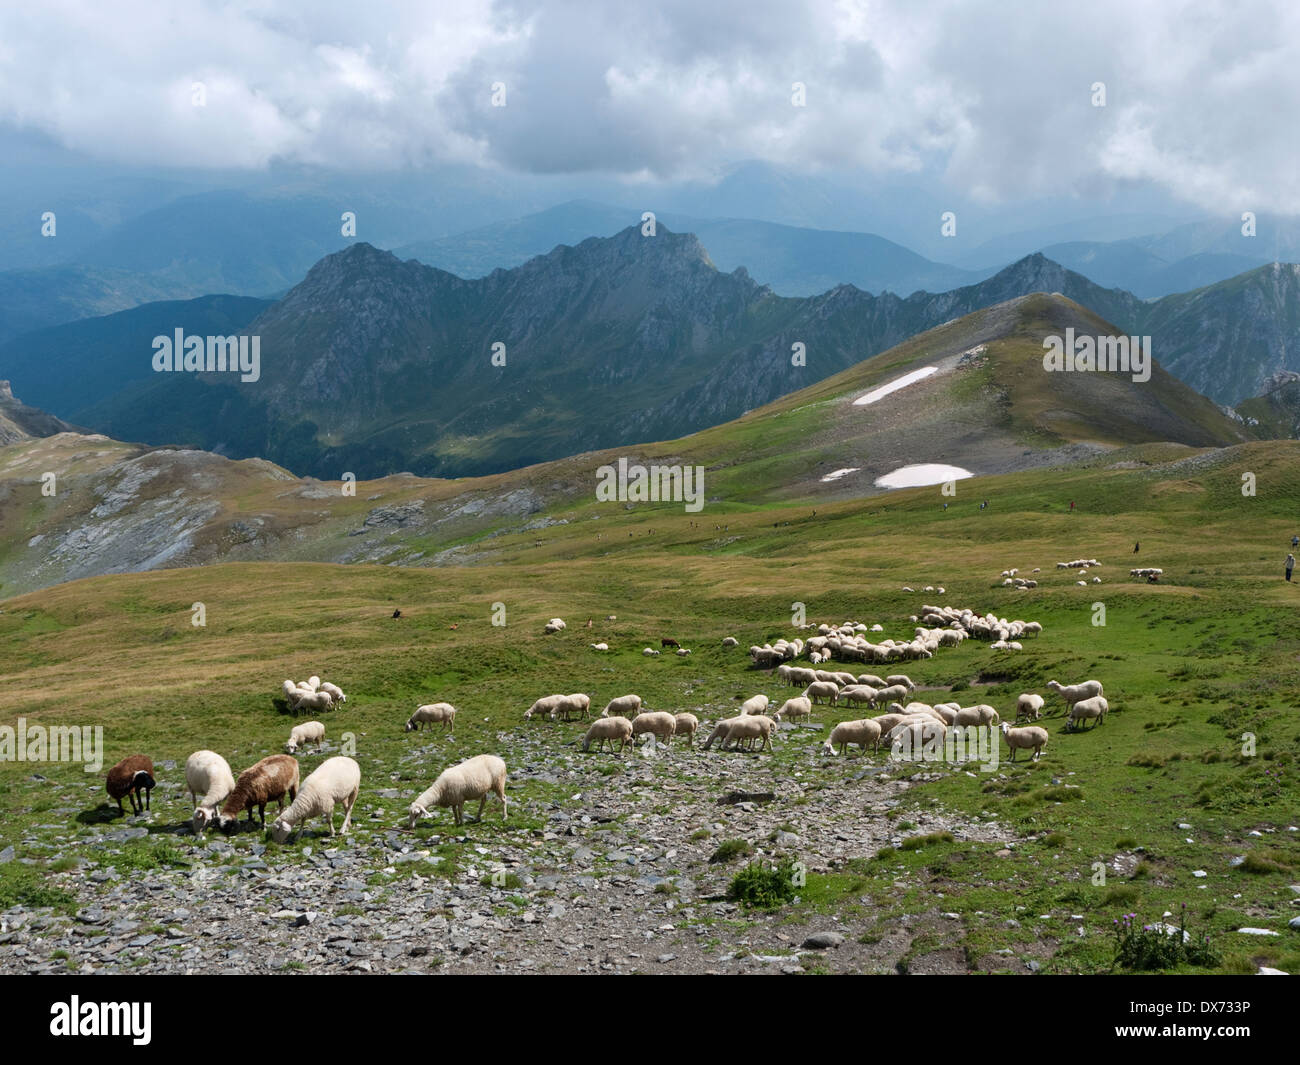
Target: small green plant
<point>1159,946</point>
<point>729,849</point>
<point>763,886</point>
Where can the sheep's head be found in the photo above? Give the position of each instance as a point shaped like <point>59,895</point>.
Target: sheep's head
<point>280,830</point>
<point>291,747</point>
<point>228,825</point>
<point>414,814</point>
<point>201,819</point>
<point>410,726</point>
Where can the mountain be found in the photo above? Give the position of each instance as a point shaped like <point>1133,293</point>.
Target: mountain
<point>1276,413</point>
<point>21,422</point>
<point>986,406</point>
<point>373,365</point>
<point>792,261</point>
<point>73,367</point>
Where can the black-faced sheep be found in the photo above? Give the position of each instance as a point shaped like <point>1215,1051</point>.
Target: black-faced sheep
<point>131,776</point>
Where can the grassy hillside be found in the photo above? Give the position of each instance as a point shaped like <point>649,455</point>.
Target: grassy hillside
<point>1189,665</point>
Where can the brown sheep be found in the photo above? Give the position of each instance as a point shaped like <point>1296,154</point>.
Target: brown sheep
<point>271,779</point>
<point>131,776</point>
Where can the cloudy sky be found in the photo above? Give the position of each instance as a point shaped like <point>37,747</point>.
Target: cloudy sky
<point>993,100</point>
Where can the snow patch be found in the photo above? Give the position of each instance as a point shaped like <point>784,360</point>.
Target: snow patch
<point>921,474</point>
<point>835,475</point>
<point>895,385</point>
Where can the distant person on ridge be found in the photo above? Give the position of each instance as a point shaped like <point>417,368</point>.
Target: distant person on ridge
<point>1290,565</point>
<point>1071,506</point>
<point>1136,546</point>
<point>1295,542</point>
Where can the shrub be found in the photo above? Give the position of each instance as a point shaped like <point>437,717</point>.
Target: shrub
<point>729,849</point>
<point>1157,946</point>
<point>763,886</point>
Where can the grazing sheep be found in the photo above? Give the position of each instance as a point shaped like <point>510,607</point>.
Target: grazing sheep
<point>307,732</point>
<point>863,732</point>
<point>313,682</point>
<point>730,641</point>
<point>658,722</point>
<point>1032,738</point>
<point>131,776</point>
<point>335,780</point>
<point>544,707</point>
<point>668,641</point>
<point>755,704</point>
<point>608,729</point>
<point>432,714</point>
<point>554,625</point>
<point>649,651</point>
<point>292,693</point>
<point>1093,710</point>
<point>682,652</point>
<point>890,694</point>
<point>899,678</point>
<point>746,729</point>
<point>314,700</point>
<point>1029,707</point>
<point>602,646</point>
<point>687,724</point>
<point>578,704</point>
<point>334,690</point>
<point>821,689</point>
<point>858,693</point>
<point>471,779</point>
<point>1072,693</point>
<point>270,779</point>
<point>207,774</point>
<point>624,706</point>
<point>793,708</point>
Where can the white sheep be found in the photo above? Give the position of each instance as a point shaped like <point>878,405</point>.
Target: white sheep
<point>334,691</point>
<point>1032,738</point>
<point>649,652</point>
<point>624,706</point>
<point>577,704</point>
<point>899,678</point>
<point>730,641</point>
<point>307,732</point>
<point>755,704</point>
<point>472,779</point>
<point>1072,693</point>
<point>1029,707</point>
<point>602,646</point>
<point>863,732</point>
<point>432,714</point>
<point>1093,709</point>
<point>858,693</point>
<point>207,774</point>
<point>687,725</point>
<point>682,652</point>
<point>314,700</point>
<point>607,730</point>
<point>555,625</point>
<point>658,722</point>
<point>544,707</point>
<point>335,780</point>
<point>794,708</point>
<point>313,682</point>
<point>821,689</point>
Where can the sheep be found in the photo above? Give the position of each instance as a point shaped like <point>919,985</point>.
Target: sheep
<point>602,646</point>
<point>863,732</point>
<point>796,707</point>
<point>314,700</point>
<point>336,779</point>
<point>579,704</point>
<point>334,690</point>
<point>307,732</point>
<point>915,733</point>
<point>687,724</point>
<point>749,728</point>
<point>313,682</point>
<point>608,729</point>
<point>822,689</point>
<point>272,778</point>
<point>891,693</point>
<point>658,722</point>
<point>544,707</point>
<point>1093,709</point>
<point>1072,693</point>
<point>432,714</point>
<point>859,693</point>
<point>649,652</point>
<point>730,641</point>
<point>1029,707</point>
<point>131,776</point>
<point>207,774</point>
<point>292,693</point>
<point>899,678</point>
<point>554,625</point>
<point>1033,737</point>
<point>870,680</point>
<point>754,705</point>
<point>668,641</point>
<point>624,706</point>
<point>471,779</point>
<point>682,652</point>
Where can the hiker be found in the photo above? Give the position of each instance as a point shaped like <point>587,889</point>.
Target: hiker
<point>1071,506</point>
<point>1136,546</point>
<point>1290,565</point>
<point>1295,542</point>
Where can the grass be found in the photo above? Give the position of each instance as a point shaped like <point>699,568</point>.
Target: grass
<point>1199,670</point>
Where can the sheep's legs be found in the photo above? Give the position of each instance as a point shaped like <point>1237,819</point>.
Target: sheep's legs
<point>482,801</point>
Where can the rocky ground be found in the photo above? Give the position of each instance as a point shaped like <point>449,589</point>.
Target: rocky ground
<point>609,872</point>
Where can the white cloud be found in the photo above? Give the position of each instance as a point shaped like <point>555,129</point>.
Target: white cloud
<point>993,96</point>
